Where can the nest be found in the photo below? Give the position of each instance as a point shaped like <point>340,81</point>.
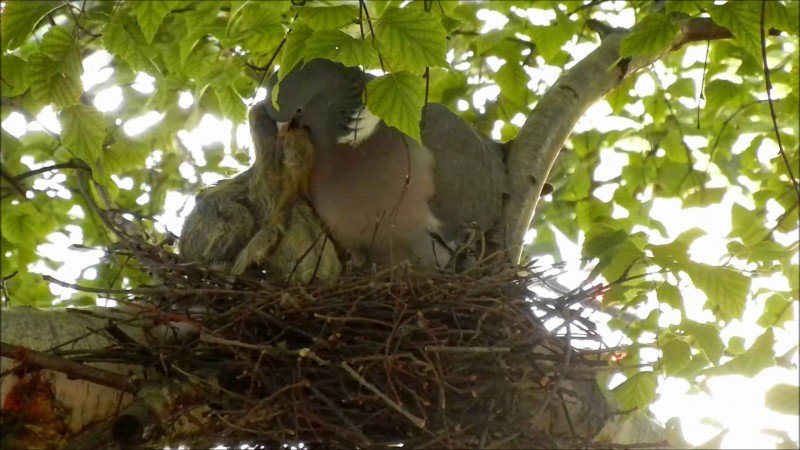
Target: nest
<point>400,356</point>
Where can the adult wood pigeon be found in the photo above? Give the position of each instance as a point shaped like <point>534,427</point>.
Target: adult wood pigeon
<point>383,196</point>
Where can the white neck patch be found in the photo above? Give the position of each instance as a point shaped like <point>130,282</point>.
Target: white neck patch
<point>362,125</point>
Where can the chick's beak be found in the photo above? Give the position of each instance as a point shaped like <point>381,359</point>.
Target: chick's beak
<point>283,127</point>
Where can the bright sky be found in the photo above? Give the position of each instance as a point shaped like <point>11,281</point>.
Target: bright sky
<point>733,402</point>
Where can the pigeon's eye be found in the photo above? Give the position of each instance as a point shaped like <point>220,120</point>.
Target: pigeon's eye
<point>299,110</point>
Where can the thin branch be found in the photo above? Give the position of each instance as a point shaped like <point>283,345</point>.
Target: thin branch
<point>147,290</point>
<point>363,5</point>
<point>274,55</point>
<point>14,182</point>
<point>73,164</point>
<point>77,18</point>
<point>702,96</point>
<point>725,124</point>
<point>515,40</point>
<point>768,82</point>
<point>456,349</point>
<point>589,5</point>
<point>690,160</point>
<point>389,402</point>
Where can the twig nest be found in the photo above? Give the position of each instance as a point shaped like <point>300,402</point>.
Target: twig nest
<point>401,356</point>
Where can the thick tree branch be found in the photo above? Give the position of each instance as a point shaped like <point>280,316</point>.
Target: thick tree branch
<point>40,360</point>
<point>550,123</point>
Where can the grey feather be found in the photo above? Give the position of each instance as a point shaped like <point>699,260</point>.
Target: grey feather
<point>469,174</point>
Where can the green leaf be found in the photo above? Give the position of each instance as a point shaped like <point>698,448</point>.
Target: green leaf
<point>674,178</point>
<point>29,289</point>
<point>59,45</point>
<point>725,288</point>
<point>38,144</point>
<point>197,24</point>
<point>698,362</point>
<point>675,355</point>
<point>690,7</point>
<point>150,14</point>
<point>720,92</point>
<point>736,345</point>
<point>637,391</point>
<point>256,25</point>
<point>14,72</point>
<point>777,311</point>
<point>614,250</point>
<point>484,43</point>
<point>57,42</point>
<point>50,85</point>
<point>747,225</point>
<point>512,81</point>
<point>650,323</point>
<point>785,442</point>
<point>764,252</point>
<point>669,294</point>
<point>398,99</point>
<point>579,186</point>
<point>230,103</point>
<point>783,398</point>
<point>550,38</point>
<point>125,154</point>
<point>446,86</point>
<point>24,224</point>
<point>341,47</point>
<point>294,49</point>
<point>706,336</point>
<point>704,197</point>
<point>618,293</point>
<point>410,40</point>
<point>675,254</point>
<point>673,145</point>
<point>123,39</point>
<point>783,17</point>
<point>758,357</point>
<point>84,133</point>
<point>328,17</point>
<point>651,35</point>
<point>201,66</point>
<point>19,18</point>
<point>743,20</point>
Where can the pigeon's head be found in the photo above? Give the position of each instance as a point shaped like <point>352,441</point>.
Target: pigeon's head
<point>323,96</point>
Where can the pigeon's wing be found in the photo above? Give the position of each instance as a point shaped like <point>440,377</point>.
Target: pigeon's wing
<point>469,173</point>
